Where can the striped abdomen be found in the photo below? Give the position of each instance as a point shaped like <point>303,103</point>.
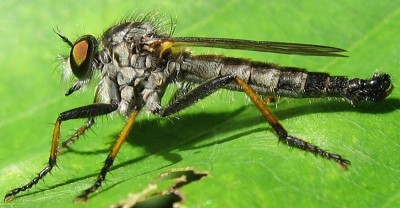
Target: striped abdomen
<point>273,80</point>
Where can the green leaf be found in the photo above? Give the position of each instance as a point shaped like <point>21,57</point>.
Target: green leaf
<point>224,135</point>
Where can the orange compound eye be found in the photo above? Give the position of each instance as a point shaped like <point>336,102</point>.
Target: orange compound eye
<point>80,52</point>
<point>81,56</point>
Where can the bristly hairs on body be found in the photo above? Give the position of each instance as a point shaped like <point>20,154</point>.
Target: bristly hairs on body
<point>164,26</point>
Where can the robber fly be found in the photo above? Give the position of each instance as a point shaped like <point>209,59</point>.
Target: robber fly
<point>137,61</point>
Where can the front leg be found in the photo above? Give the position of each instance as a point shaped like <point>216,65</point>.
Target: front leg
<point>88,111</point>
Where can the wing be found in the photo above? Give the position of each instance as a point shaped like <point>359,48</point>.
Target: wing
<point>262,46</point>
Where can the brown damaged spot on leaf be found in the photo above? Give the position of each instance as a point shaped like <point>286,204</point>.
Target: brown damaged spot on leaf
<point>163,191</point>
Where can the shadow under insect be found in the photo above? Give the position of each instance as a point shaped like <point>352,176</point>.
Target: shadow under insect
<point>166,137</point>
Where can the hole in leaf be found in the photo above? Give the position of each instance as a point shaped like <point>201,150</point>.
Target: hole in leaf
<point>163,191</point>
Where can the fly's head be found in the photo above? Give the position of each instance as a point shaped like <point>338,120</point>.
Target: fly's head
<point>375,89</point>
<point>81,59</point>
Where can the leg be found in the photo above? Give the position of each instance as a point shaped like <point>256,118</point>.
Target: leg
<point>212,85</point>
<point>188,99</point>
<point>283,134</point>
<point>88,111</point>
<point>76,135</point>
<point>196,94</point>
<point>110,159</point>
<point>87,124</point>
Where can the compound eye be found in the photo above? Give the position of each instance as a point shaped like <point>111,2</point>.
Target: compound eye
<point>81,56</point>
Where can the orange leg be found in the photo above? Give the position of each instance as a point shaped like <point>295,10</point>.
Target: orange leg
<point>282,133</point>
<point>110,159</point>
<point>88,111</point>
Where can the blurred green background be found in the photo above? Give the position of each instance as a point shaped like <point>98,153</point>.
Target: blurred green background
<point>224,135</point>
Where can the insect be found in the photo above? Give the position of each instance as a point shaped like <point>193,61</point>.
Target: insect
<point>137,60</point>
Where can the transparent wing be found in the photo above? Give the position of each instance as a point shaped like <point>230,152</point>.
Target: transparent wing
<point>262,46</point>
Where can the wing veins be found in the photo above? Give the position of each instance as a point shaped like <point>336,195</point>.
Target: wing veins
<point>261,46</point>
